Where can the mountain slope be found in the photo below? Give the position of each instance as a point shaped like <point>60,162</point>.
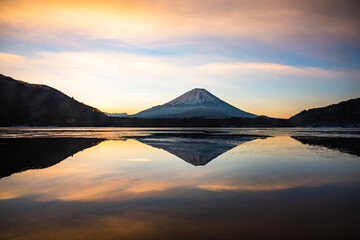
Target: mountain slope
<point>120,115</point>
<point>345,113</point>
<point>22,103</point>
<point>201,112</point>
<point>195,103</point>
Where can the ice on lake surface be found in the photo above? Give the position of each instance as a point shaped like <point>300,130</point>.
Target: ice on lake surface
<point>168,183</point>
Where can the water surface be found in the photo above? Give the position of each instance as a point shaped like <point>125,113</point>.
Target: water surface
<point>220,183</point>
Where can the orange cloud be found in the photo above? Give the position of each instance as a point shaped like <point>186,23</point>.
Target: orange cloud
<point>281,23</point>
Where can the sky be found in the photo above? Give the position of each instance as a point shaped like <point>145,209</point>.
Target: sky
<point>273,58</point>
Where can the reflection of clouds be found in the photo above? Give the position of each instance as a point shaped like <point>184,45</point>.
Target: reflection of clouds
<point>151,187</point>
<point>268,183</point>
<point>186,215</point>
<point>104,172</point>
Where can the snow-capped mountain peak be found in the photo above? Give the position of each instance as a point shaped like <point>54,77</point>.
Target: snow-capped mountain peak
<point>195,103</point>
<point>195,97</point>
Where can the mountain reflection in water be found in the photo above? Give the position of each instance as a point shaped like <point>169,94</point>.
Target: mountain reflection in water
<point>136,187</point>
<point>197,151</point>
<point>21,154</point>
<point>346,145</point>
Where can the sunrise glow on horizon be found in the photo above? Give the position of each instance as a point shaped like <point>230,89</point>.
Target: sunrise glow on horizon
<point>271,58</point>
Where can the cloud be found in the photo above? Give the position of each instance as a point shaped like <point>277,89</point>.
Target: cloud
<point>106,80</point>
<point>139,94</point>
<point>273,68</point>
<point>123,82</point>
<point>252,54</point>
<point>138,160</point>
<point>297,26</point>
<point>235,188</point>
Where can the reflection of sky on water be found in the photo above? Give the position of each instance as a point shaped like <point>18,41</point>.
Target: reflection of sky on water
<point>123,169</point>
<point>126,188</point>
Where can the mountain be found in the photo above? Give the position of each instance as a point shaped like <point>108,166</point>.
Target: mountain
<point>345,114</point>
<point>22,103</point>
<point>120,115</point>
<point>195,103</point>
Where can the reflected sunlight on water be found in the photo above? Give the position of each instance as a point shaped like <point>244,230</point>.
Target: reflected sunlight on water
<point>149,184</point>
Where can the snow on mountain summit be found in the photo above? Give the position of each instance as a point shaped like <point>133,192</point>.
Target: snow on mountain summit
<point>195,97</point>
<point>195,103</point>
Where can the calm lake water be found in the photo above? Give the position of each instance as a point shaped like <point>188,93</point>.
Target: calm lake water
<point>220,183</point>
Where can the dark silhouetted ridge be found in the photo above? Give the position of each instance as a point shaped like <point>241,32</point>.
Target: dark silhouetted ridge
<point>22,103</point>
<point>345,114</point>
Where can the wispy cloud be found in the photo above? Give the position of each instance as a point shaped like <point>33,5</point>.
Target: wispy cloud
<point>139,94</point>
<point>238,188</point>
<point>298,26</point>
<point>115,54</point>
<point>123,82</point>
<point>138,159</point>
<point>273,68</point>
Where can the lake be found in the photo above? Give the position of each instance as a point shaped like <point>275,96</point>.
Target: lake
<point>169,183</point>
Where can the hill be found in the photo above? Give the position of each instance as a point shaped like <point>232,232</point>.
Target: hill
<point>342,114</point>
<point>22,103</point>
